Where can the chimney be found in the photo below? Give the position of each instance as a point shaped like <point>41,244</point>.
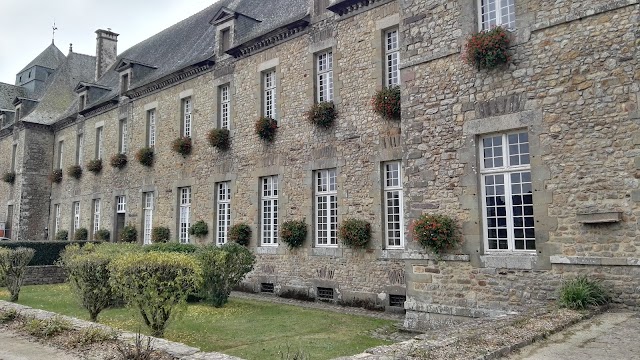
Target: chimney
<point>106,51</point>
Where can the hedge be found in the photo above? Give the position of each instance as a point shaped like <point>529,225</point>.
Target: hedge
<point>47,253</point>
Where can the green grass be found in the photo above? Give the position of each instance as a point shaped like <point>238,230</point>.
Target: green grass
<point>244,328</point>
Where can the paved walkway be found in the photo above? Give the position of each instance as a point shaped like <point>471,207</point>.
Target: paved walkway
<point>16,347</point>
<point>613,335</point>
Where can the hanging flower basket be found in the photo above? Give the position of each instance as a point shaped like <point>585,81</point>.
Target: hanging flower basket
<point>75,171</point>
<point>266,128</point>
<point>9,177</point>
<point>219,138</point>
<point>488,49</point>
<point>182,145</point>
<point>119,161</point>
<point>293,233</point>
<point>322,114</point>
<point>95,166</point>
<point>436,233</point>
<point>386,103</point>
<point>355,233</point>
<point>56,176</point>
<point>145,156</point>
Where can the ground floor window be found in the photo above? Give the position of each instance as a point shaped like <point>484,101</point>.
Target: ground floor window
<point>184,221</point>
<point>148,217</point>
<point>269,210</point>
<point>223,213</point>
<point>326,208</point>
<point>393,213</point>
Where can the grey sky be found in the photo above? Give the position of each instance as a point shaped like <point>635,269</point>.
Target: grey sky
<point>25,25</point>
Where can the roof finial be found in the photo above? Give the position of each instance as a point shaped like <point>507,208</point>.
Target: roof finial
<point>53,38</point>
<point>70,47</point>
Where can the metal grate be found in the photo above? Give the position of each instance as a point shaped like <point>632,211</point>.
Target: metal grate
<point>397,300</point>
<point>325,293</point>
<point>266,288</point>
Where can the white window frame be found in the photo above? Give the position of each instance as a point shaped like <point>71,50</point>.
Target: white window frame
<point>326,222</point>
<point>99,139</point>
<point>121,204</point>
<point>269,94</point>
<point>151,115</point>
<point>80,150</point>
<point>225,106</point>
<point>269,210</point>
<point>223,213</point>
<point>506,170</point>
<point>60,154</point>
<point>187,119</point>
<point>184,219</point>
<point>392,189</point>
<point>147,207</point>
<point>76,216</point>
<point>500,12</point>
<point>56,224</point>
<point>123,136</point>
<point>96,215</point>
<point>324,77</point>
<point>392,57</point>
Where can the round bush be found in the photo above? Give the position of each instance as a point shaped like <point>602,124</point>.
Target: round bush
<point>56,176</point>
<point>293,233</point>
<point>386,103</point>
<point>266,128</point>
<point>129,234</point>
<point>62,235</point>
<point>74,171</point>
<point>102,235</point>
<point>81,234</point>
<point>355,233</point>
<point>240,233</point>
<point>160,234</point>
<point>145,156</point>
<point>9,177</point>
<point>182,145</point>
<point>119,161</point>
<point>95,166</point>
<point>322,114</point>
<point>219,138</point>
<point>436,233</point>
<point>199,229</point>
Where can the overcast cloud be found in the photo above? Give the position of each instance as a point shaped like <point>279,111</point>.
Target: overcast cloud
<point>25,25</point>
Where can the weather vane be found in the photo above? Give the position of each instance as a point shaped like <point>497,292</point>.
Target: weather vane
<point>53,38</point>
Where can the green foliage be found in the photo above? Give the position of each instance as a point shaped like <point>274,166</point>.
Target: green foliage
<point>81,234</point>
<point>488,49</point>
<point>160,234</point>
<point>322,114</point>
<point>223,269</point>
<point>119,161</point>
<point>182,145</point>
<point>8,315</point>
<point>355,233</point>
<point>172,247</point>
<point>139,350</point>
<point>386,103</point>
<point>74,171</point>
<point>102,235</point>
<point>46,328</point>
<point>56,176</point>
<point>95,166</point>
<point>156,284</point>
<point>145,156</point>
<point>582,292</point>
<point>62,235</point>
<point>219,138</point>
<point>436,233</point>
<point>199,229</point>
<point>240,233</point>
<point>13,263</point>
<point>266,128</point>
<point>92,335</point>
<point>47,252</point>
<point>129,234</point>
<point>89,276</point>
<point>293,233</point>
<point>9,177</point>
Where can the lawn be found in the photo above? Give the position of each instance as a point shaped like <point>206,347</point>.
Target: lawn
<point>244,328</point>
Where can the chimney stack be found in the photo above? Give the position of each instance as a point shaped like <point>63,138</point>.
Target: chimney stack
<point>106,51</point>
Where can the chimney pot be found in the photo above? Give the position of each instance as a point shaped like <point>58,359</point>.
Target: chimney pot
<point>106,51</point>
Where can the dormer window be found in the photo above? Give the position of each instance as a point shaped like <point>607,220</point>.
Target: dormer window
<point>124,83</point>
<point>18,115</point>
<point>225,40</point>
<point>82,103</point>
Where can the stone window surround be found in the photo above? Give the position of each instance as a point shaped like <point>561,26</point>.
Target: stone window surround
<point>18,113</point>
<point>76,207</point>
<point>498,10</point>
<point>114,209</point>
<point>148,108</point>
<point>271,166</point>
<point>217,83</point>
<point>227,25</point>
<point>128,74</point>
<point>278,186</point>
<point>379,45</point>
<point>228,208</point>
<point>182,97</point>
<point>273,64</point>
<point>123,134</point>
<point>313,50</point>
<point>59,152</point>
<point>99,144</point>
<point>80,147</point>
<point>83,99</point>
<point>212,182</point>
<point>175,208</point>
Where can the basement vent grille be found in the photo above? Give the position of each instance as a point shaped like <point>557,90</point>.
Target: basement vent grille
<point>397,300</point>
<point>325,293</point>
<point>266,288</point>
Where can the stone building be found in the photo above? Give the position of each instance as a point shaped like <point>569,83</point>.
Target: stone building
<point>538,161</point>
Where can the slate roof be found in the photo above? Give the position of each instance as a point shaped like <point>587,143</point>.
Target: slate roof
<point>8,93</point>
<point>50,58</point>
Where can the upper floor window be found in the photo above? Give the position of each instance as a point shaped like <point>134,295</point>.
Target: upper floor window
<point>18,115</point>
<point>76,216</point>
<point>82,102</point>
<point>225,39</point>
<point>99,135</point>
<point>124,83</point>
<point>324,82</point>
<point>60,160</point>
<point>14,152</point>
<point>123,136</point>
<point>186,117</point>
<point>225,106</point>
<point>497,13</point>
<point>79,149</point>
<point>269,94</point>
<point>151,128</point>
<point>392,58</point>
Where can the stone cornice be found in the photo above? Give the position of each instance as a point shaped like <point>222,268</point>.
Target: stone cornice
<point>270,39</point>
<point>172,79</point>
<point>112,104</point>
<point>349,7</point>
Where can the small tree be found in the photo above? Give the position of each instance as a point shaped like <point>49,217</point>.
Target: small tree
<point>240,233</point>
<point>89,276</point>
<point>355,233</point>
<point>155,283</point>
<point>129,234</point>
<point>160,234</point>
<point>223,269</point>
<point>293,233</point>
<point>81,234</point>
<point>13,264</point>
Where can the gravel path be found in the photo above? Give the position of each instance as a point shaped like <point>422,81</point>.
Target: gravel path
<point>16,347</point>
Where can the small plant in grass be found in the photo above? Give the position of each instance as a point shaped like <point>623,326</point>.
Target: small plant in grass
<point>46,328</point>
<point>62,235</point>
<point>119,161</point>
<point>355,233</point>
<point>199,229</point>
<point>386,103</point>
<point>223,269</point>
<point>91,335</point>
<point>436,233</point>
<point>129,234</point>
<point>488,49</point>
<point>145,156</point>
<point>141,348</point>
<point>81,234</point>
<point>293,233</point>
<point>160,234</point>
<point>13,264</point>
<point>74,171</point>
<point>102,235</point>
<point>95,166</point>
<point>322,114</point>
<point>582,292</point>
<point>9,177</point>
<point>182,145</point>
<point>8,315</point>
<point>266,128</point>
<point>240,233</point>
<point>219,138</point>
<point>89,277</point>
<point>56,176</point>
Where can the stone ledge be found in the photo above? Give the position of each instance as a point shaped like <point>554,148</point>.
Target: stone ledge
<point>406,255</point>
<point>599,218</point>
<point>413,305</point>
<point>266,250</point>
<point>594,260</point>
<point>511,261</point>
<point>429,58</point>
<point>326,251</point>
<point>613,5</point>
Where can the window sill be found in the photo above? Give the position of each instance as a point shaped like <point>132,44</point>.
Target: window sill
<point>326,251</point>
<point>516,261</point>
<point>267,250</point>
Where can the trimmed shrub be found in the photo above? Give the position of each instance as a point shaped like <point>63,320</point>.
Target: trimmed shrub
<point>160,234</point>
<point>219,138</point>
<point>155,283</point>
<point>89,277</point>
<point>47,252</point>
<point>119,161</point>
<point>266,128</point>
<point>386,103</point>
<point>74,171</point>
<point>581,293</point>
<point>102,235</point>
<point>488,49</point>
<point>172,247</point>
<point>13,263</point>
<point>436,233</point>
<point>145,156</point>
<point>293,233</point>
<point>355,233</point>
<point>62,235</point>
<point>81,234</point>
<point>182,145</point>
<point>322,114</point>
<point>9,177</point>
<point>223,269</point>
<point>56,176</point>
<point>95,166</point>
<point>129,234</point>
<point>199,229</point>
<point>240,233</point>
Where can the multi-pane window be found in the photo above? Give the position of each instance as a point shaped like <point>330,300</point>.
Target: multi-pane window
<point>392,58</point>
<point>184,221</point>
<point>60,154</point>
<point>269,94</point>
<point>151,128</point>
<point>497,13</point>
<point>56,225</point>
<point>269,210</point>
<point>148,216</point>
<point>225,106</point>
<point>507,193</point>
<point>14,152</point>
<point>223,213</point>
<point>186,117</point>
<point>96,215</point>
<point>393,204</point>
<point>79,149</point>
<point>99,138</point>
<point>76,216</point>
<point>121,204</point>
<point>123,136</point>
<point>324,82</point>
<point>326,214</point>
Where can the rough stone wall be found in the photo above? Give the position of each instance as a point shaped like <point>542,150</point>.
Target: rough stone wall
<point>42,275</point>
<point>8,192</point>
